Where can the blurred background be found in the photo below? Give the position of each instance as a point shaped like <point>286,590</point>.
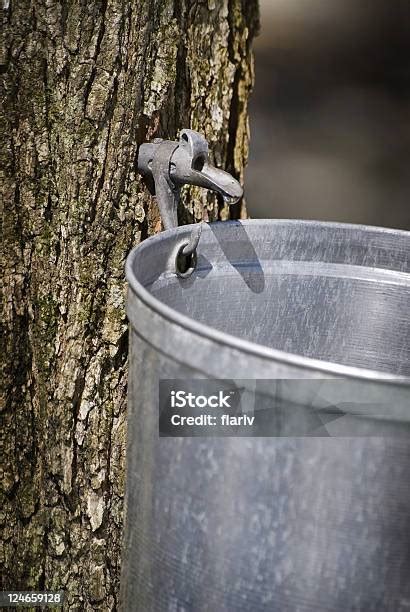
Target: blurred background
<point>330,113</point>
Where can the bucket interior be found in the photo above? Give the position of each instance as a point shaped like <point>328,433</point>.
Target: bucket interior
<point>331,292</point>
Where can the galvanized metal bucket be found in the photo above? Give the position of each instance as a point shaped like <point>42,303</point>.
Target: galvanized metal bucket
<point>270,523</point>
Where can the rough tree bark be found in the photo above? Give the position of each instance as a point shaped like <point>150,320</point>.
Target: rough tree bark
<point>84,84</point>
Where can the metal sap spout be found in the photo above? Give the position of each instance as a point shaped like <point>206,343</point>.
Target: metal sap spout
<point>168,165</point>
<point>191,167</point>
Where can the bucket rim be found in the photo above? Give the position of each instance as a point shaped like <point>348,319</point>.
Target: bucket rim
<point>247,346</point>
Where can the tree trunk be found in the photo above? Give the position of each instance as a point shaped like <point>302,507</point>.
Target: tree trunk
<point>84,84</point>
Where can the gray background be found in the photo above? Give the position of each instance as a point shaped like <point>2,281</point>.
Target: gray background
<point>330,113</point>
